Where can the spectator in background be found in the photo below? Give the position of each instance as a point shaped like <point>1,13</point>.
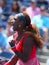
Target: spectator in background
<point>42,2</point>
<point>42,23</point>
<point>22,9</point>
<point>3,4</point>
<point>38,19</point>
<point>4,45</point>
<point>33,10</point>
<point>9,30</point>
<point>3,9</point>
<point>2,17</point>
<point>15,8</point>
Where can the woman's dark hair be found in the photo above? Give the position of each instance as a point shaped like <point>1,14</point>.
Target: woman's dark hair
<point>34,31</point>
<point>27,18</point>
<point>17,9</point>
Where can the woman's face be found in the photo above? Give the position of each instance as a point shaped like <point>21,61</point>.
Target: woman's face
<point>33,5</point>
<point>14,5</point>
<point>18,25</point>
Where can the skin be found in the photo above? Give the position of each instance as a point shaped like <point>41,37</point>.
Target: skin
<point>19,26</point>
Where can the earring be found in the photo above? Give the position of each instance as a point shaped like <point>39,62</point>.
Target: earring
<point>19,26</point>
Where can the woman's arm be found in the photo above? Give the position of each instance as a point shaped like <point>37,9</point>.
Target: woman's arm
<point>24,55</point>
<point>26,50</point>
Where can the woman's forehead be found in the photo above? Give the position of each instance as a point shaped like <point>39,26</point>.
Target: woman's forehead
<point>18,22</point>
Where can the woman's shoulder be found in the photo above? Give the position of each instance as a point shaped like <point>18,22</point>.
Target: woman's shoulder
<point>28,40</point>
<point>28,36</point>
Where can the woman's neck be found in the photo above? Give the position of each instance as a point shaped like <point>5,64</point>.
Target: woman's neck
<point>20,33</point>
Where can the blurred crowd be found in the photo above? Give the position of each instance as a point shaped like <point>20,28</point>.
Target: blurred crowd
<point>38,10</point>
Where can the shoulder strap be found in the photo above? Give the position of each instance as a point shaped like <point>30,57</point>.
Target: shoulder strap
<point>25,35</point>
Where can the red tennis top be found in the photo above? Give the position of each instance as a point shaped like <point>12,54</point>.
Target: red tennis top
<point>18,47</point>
